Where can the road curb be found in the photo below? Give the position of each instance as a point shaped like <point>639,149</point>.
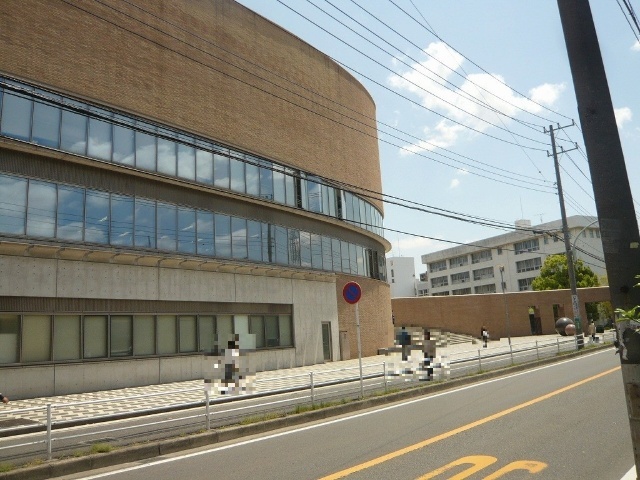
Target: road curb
<point>67,466</point>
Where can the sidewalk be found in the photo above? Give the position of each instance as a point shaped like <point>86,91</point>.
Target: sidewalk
<point>128,401</point>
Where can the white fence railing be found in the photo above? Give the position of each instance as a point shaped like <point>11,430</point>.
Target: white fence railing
<point>301,390</point>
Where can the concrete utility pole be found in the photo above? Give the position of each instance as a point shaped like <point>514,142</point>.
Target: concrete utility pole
<point>614,203</point>
<point>567,243</point>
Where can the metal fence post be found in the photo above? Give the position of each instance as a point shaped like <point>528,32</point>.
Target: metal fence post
<point>511,353</point>
<point>49,431</point>
<point>384,374</point>
<point>558,343</point>
<point>479,361</point>
<point>206,408</point>
<point>575,340</point>
<point>537,351</point>
<point>312,390</point>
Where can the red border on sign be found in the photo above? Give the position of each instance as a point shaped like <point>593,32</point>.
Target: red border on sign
<point>348,291</point>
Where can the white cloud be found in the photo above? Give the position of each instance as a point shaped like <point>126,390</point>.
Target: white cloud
<point>623,115</point>
<point>454,183</point>
<point>426,80</point>
<point>636,46</point>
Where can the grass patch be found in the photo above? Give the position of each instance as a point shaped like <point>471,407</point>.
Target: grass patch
<point>6,467</point>
<point>101,448</point>
<point>261,418</point>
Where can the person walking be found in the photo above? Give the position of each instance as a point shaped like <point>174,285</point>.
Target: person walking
<point>4,399</point>
<point>485,336</point>
<point>592,331</point>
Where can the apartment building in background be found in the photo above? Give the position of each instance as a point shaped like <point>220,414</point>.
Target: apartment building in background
<point>476,269</point>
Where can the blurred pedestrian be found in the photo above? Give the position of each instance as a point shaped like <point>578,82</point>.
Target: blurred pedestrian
<point>485,336</point>
<point>592,331</point>
<point>4,399</point>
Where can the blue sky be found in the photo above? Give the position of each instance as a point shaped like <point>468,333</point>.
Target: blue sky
<point>461,113</point>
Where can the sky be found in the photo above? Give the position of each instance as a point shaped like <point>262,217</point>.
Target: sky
<point>464,90</point>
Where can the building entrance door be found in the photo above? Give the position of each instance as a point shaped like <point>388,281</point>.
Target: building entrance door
<point>326,341</point>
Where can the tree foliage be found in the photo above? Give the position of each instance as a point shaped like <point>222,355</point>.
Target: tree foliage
<point>554,274</point>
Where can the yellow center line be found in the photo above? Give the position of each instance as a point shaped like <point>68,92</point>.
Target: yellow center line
<point>464,428</point>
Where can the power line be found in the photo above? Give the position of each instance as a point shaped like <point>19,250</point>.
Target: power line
<point>478,66</point>
<point>514,179</point>
<point>416,85</point>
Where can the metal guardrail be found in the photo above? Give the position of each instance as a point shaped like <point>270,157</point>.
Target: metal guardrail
<point>308,387</point>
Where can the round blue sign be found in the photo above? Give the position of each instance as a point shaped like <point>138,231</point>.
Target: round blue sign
<point>352,292</point>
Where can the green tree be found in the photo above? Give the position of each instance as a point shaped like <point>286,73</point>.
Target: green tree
<point>554,274</point>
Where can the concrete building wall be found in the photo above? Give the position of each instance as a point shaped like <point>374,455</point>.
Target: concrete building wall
<point>401,275</point>
<point>467,313</point>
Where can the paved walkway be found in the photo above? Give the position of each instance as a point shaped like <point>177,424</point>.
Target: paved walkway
<point>128,401</point>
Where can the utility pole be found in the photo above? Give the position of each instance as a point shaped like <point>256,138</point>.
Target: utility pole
<point>614,203</point>
<point>575,303</point>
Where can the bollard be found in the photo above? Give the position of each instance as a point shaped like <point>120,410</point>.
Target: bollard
<point>479,361</point>
<point>49,440</point>
<point>384,374</point>
<point>206,409</point>
<point>312,390</point>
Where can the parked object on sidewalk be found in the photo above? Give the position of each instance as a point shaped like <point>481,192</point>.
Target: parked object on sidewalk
<point>4,399</point>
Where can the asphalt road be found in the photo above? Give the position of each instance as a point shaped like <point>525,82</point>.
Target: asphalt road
<point>562,421</point>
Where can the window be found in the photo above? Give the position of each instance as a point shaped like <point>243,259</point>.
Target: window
<point>9,331</point>
<point>73,135</point>
<point>461,291</point>
<point>95,336</point>
<point>529,265</point>
<point>36,338</point>
<point>144,335</point>
<point>166,234</point>
<point>254,240</point>
<point>66,337</point>
<point>121,336</point>
<point>145,223</point>
<point>41,209</point>
<point>239,237</point>
<point>440,294</point>
<point>459,277</point>
<point>525,284</point>
<point>483,273</point>
<point>100,137</point>
<point>224,330</point>
<point>166,334</point>
<point>188,333</point>
<point>207,330</point>
<point>70,213</point>
<point>438,266</point>
<point>526,246</point>
<point>204,228</point>
<point>256,327</point>
<point>145,148</point>
<point>13,205</point>
<point>187,162</point>
<point>186,230</point>
<point>458,261</point>
<point>483,256</point>
<point>46,124</point>
<point>16,116</point>
<point>97,217</point>
<point>490,288</point>
<point>499,250</point>
<point>121,220</point>
<point>221,171</point>
<point>439,282</point>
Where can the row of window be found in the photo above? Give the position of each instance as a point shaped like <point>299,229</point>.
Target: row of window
<point>48,210</point>
<point>460,261</point>
<point>462,277</point>
<point>53,121</point>
<point>529,265</point>
<point>71,337</point>
<point>524,284</point>
<point>531,245</point>
<point>489,288</point>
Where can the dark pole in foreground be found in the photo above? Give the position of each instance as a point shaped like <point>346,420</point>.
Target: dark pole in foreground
<point>614,203</point>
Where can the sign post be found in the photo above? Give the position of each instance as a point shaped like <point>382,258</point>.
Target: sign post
<point>351,294</point>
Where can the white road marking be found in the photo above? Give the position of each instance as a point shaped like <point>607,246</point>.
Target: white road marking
<point>338,420</point>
